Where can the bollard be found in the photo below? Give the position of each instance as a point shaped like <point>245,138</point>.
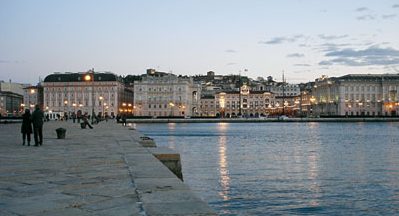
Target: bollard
<point>61,133</point>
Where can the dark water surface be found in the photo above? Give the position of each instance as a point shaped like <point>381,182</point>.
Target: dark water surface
<point>288,168</point>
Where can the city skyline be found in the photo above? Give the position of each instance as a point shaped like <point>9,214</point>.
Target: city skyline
<point>305,39</point>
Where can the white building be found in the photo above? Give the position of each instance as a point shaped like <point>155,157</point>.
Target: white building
<point>245,102</point>
<point>161,94</point>
<point>357,95</point>
<point>103,93</point>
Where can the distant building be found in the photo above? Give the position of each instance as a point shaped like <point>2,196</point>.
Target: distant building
<point>33,95</point>
<point>10,103</point>
<point>17,88</point>
<point>244,103</point>
<point>104,93</point>
<point>356,95</point>
<point>160,94</point>
<point>208,106</point>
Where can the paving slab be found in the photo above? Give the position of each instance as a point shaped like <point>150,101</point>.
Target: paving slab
<point>100,171</point>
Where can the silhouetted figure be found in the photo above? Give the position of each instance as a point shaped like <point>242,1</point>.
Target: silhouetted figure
<point>124,119</point>
<point>37,121</point>
<point>73,117</point>
<point>86,121</point>
<point>26,127</point>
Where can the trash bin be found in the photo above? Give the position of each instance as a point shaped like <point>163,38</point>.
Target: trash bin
<point>61,133</point>
<point>83,125</point>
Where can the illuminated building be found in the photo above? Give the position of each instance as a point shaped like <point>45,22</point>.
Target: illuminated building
<point>160,94</point>
<point>356,95</point>
<point>88,92</point>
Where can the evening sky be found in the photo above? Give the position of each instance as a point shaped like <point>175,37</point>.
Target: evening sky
<point>303,38</point>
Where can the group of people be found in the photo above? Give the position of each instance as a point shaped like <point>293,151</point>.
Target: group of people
<point>36,120</point>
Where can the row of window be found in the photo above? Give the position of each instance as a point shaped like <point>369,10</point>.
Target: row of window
<point>369,88</point>
<point>78,89</point>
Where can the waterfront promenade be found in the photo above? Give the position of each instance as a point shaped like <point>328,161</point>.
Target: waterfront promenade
<point>103,171</point>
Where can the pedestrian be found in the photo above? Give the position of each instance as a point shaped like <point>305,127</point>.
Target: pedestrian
<point>26,127</point>
<point>73,117</point>
<point>124,119</point>
<point>37,121</point>
<point>86,121</point>
<point>79,115</point>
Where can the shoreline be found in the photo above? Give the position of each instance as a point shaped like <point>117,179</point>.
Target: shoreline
<point>257,120</point>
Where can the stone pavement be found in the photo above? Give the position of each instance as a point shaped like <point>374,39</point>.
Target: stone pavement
<point>103,171</point>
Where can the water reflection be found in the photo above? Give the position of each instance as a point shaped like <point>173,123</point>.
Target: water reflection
<point>172,139</point>
<point>224,177</point>
<point>313,167</point>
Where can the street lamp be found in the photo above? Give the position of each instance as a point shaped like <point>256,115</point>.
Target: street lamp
<point>65,104</point>
<point>89,77</point>
<point>101,98</point>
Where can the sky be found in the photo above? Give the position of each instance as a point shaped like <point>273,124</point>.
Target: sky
<point>257,38</point>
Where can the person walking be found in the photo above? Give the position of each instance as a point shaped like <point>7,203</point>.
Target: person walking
<point>37,121</point>
<point>26,127</point>
<point>86,121</point>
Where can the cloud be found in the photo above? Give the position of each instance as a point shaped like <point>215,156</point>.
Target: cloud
<point>302,65</point>
<point>332,37</point>
<point>230,51</point>
<point>295,55</point>
<point>231,63</point>
<point>280,40</point>
<point>366,17</point>
<point>371,51</point>
<point>370,56</point>
<point>328,47</point>
<point>4,61</point>
<point>395,6</point>
<point>361,9</point>
<point>388,16</point>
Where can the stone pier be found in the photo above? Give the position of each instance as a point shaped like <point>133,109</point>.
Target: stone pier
<point>100,171</point>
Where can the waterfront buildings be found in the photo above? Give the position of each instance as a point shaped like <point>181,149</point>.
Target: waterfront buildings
<point>356,95</point>
<point>160,94</point>
<point>244,103</point>
<point>87,92</point>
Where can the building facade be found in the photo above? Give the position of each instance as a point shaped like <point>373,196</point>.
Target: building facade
<point>356,95</point>
<point>207,106</point>
<point>243,103</point>
<point>161,94</point>
<point>33,95</point>
<point>87,92</point>
<point>10,103</point>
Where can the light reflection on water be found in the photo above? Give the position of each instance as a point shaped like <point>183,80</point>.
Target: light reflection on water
<point>288,168</point>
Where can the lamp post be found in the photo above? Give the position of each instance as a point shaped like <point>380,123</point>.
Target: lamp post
<point>65,106</point>
<point>129,106</point>
<point>89,77</point>
<point>101,98</point>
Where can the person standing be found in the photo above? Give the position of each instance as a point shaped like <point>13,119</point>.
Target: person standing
<point>73,117</point>
<point>124,119</point>
<point>37,121</point>
<point>26,127</point>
